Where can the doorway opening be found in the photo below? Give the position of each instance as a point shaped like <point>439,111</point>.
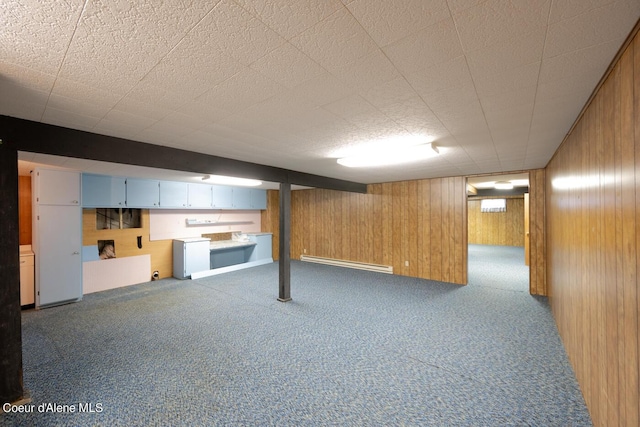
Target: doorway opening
<point>498,231</point>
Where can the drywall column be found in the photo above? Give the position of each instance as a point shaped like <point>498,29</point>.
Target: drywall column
<point>284,244</point>
<point>11,386</point>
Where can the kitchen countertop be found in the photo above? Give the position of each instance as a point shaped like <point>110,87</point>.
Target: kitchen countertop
<point>226,244</point>
<point>25,250</point>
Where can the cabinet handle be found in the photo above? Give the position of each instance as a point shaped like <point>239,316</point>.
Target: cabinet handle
<point>22,262</point>
<point>74,201</point>
<point>76,253</point>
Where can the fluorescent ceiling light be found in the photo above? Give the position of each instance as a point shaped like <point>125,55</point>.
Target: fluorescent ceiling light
<point>393,156</point>
<point>503,185</point>
<point>230,180</point>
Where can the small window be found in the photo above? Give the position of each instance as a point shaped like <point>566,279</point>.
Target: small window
<point>118,218</point>
<point>493,205</point>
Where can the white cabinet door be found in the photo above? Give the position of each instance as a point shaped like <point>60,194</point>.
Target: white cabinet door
<point>58,260</point>
<point>57,187</point>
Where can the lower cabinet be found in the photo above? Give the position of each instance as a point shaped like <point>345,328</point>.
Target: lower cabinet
<point>27,280</point>
<point>262,249</point>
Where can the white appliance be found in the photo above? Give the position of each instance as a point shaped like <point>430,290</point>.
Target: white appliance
<point>190,255</point>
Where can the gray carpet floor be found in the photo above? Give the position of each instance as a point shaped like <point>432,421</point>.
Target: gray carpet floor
<point>353,348</point>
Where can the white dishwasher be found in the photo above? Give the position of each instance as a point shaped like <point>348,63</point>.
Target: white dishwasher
<point>190,255</point>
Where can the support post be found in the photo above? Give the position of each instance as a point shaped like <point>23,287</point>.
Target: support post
<point>285,239</point>
<point>11,385</point>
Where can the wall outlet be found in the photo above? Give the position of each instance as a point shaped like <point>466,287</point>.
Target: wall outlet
<point>304,251</point>
<point>406,263</point>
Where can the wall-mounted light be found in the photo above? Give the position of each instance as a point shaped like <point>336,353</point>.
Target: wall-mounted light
<point>393,156</point>
<point>503,185</point>
<point>231,180</point>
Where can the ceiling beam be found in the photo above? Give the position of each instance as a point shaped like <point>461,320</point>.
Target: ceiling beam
<point>36,137</point>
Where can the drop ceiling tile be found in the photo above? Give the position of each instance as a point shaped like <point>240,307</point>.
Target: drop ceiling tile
<point>319,91</point>
<point>193,67</point>
<point>132,121</point>
<point>349,106</point>
<point>510,54</point>
<point>119,129</point>
<point>242,90</point>
<point>433,45</point>
<point>368,71</point>
<point>599,25</point>
<point>290,17</point>
<point>504,81</point>
<point>18,101</point>
<point>27,77</point>
<point>234,31</point>
<point>456,106</point>
<point>441,77</point>
<point>416,118</point>
<point>509,100</point>
<point>460,5</point>
<point>70,119</point>
<point>84,93</point>
<point>567,9</point>
<point>158,96</point>
<point>117,43</point>
<point>495,21</point>
<point>336,41</point>
<point>387,22</point>
<point>518,117</point>
<point>288,66</point>
<point>27,26</point>
<point>133,106</point>
<point>77,106</point>
<point>390,92</point>
<point>588,63</point>
<point>204,111</point>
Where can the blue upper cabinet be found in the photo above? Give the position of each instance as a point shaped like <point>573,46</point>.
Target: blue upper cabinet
<point>143,193</point>
<point>222,197</point>
<point>199,196</point>
<point>258,199</point>
<point>102,191</point>
<point>173,194</point>
<point>241,198</point>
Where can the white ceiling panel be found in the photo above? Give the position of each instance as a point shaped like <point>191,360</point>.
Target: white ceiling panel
<point>423,49</point>
<point>296,83</point>
<point>290,17</point>
<point>335,42</point>
<point>387,22</point>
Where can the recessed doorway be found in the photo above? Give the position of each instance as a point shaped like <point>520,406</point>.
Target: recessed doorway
<point>497,212</point>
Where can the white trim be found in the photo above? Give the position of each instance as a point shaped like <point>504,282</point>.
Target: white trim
<point>207,273</point>
<point>387,269</point>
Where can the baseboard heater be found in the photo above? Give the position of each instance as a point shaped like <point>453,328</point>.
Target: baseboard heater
<point>387,269</point>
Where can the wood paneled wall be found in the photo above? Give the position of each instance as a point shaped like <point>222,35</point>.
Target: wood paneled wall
<point>497,228</point>
<point>24,209</point>
<point>420,222</point>
<point>270,221</point>
<point>126,242</point>
<point>537,234</point>
<point>593,242</point>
